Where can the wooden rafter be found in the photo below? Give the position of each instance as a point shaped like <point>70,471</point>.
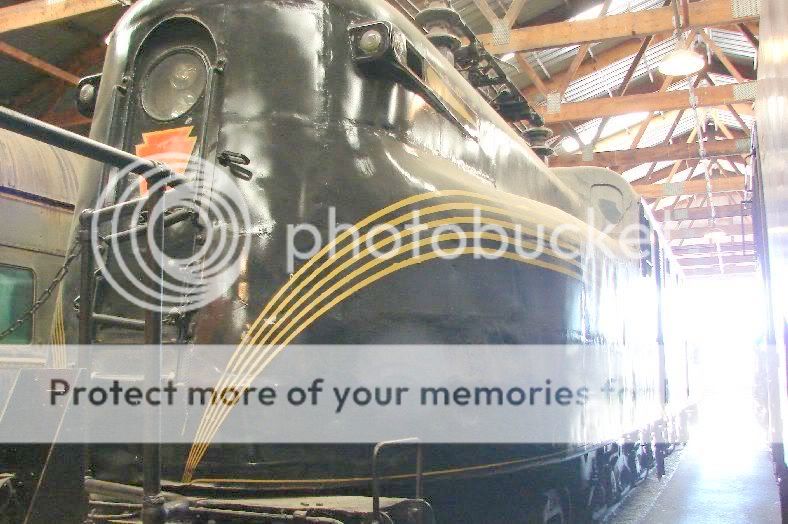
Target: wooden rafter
<point>68,120</point>
<point>601,60</point>
<point>705,13</point>
<point>727,133</point>
<point>622,89</point>
<point>676,165</point>
<point>510,16</point>
<point>536,80</point>
<point>749,35</point>
<point>37,12</point>
<point>578,58</point>
<point>705,249</point>
<point>700,213</point>
<point>513,12</point>
<point>659,175</point>
<point>52,90</point>
<point>738,118</point>
<point>485,9</point>
<point>727,258</point>
<point>700,232</point>
<point>615,140</point>
<point>37,63</point>
<point>672,100</point>
<point>720,54</point>
<point>713,148</point>
<point>666,83</point>
<point>691,187</point>
<point>79,63</point>
<point>730,269</point>
<point>622,50</point>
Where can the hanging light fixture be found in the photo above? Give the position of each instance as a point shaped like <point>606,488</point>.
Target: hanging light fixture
<point>683,60</point>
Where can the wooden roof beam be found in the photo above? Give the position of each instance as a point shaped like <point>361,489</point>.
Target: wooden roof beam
<point>37,12</point>
<point>707,249</point>
<point>515,8</point>
<point>68,120</point>
<point>726,62</point>
<point>662,101</point>
<point>661,174</point>
<point>750,35</point>
<point>601,60</point>
<point>39,64</point>
<point>689,187</point>
<point>700,213</point>
<point>705,13</point>
<point>666,83</point>
<point>727,258</point>
<point>485,9</point>
<point>700,232</point>
<point>730,269</point>
<point>624,49</point>
<point>579,57</point>
<point>678,151</point>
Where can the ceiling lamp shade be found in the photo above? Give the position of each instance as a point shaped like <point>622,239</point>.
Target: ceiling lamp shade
<point>681,62</point>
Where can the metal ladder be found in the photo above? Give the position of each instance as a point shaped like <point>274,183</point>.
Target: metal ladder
<point>153,501</point>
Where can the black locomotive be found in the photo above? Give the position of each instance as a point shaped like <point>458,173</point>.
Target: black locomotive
<point>346,111</point>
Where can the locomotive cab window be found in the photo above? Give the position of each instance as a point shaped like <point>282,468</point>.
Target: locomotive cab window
<point>16,297</point>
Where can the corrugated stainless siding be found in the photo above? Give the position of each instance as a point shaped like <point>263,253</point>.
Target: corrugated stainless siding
<point>37,168</point>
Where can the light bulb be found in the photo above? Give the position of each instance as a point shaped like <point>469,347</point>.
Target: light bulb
<point>681,62</point>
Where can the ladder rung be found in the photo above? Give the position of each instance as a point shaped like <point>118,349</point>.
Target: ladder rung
<point>121,207</point>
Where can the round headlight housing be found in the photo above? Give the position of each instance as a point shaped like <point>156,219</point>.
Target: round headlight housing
<point>174,85</point>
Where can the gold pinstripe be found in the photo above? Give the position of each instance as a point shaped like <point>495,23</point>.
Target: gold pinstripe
<point>200,447</point>
<point>362,240</point>
<point>402,476</point>
<point>58,335</point>
<point>244,355</point>
<point>212,419</point>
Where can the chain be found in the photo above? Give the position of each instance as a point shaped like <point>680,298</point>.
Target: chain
<point>702,150</point>
<point>73,252</point>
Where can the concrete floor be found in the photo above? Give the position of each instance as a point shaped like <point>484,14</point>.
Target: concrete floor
<point>723,475</point>
<point>703,490</point>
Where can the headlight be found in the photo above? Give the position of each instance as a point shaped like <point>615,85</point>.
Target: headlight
<point>174,85</point>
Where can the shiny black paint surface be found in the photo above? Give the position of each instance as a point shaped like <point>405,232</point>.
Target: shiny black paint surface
<point>320,134</point>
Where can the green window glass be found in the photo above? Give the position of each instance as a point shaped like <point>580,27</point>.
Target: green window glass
<point>16,297</point>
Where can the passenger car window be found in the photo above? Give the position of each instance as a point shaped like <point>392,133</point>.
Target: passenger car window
<point>16,297</point>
